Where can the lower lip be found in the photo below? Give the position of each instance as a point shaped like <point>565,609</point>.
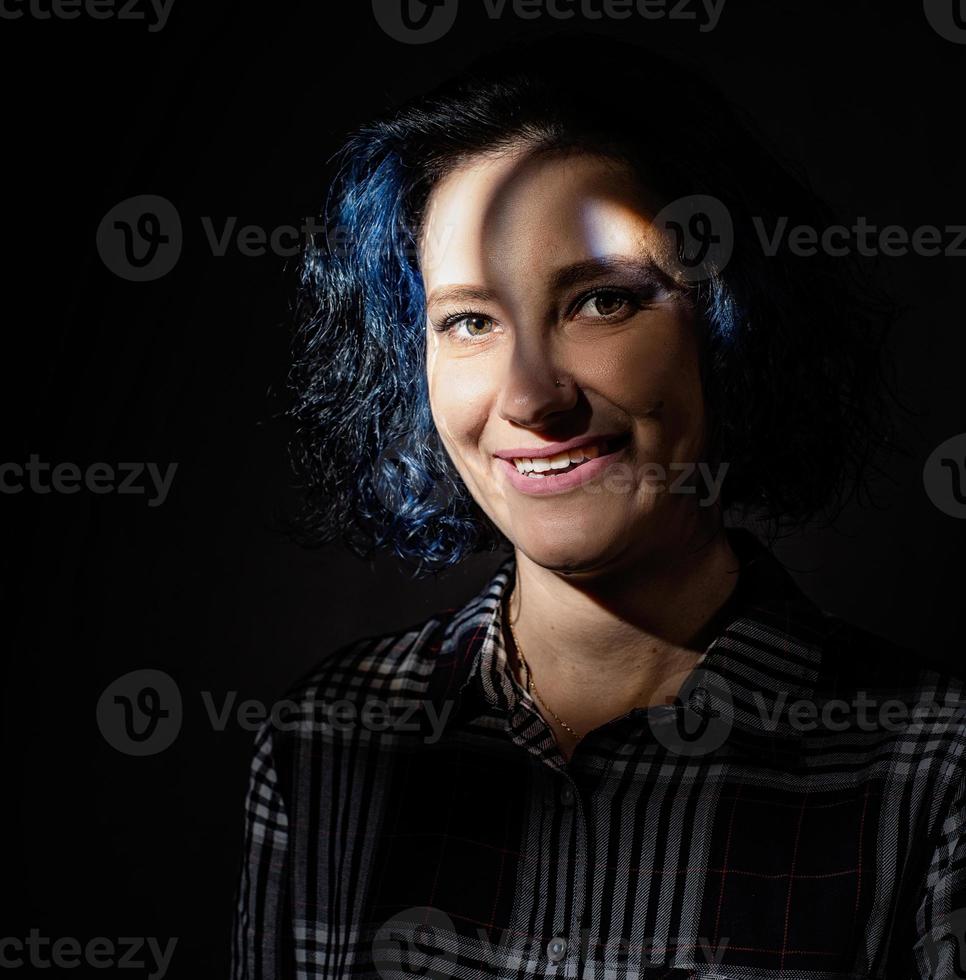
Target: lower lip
<point>562,482</point>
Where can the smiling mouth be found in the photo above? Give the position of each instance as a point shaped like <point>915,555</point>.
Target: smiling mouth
<point>541,467</point>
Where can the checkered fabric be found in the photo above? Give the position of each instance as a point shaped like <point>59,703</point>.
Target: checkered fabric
<point>797,812</point>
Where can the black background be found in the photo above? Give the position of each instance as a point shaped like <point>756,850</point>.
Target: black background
<point>231,110</point>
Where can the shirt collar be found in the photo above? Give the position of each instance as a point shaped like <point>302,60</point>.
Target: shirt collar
<point>764,653</point>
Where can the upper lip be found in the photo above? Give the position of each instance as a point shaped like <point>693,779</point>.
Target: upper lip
<point>552,448</point>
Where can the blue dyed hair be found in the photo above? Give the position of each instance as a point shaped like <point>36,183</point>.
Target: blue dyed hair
<point>790,345</point>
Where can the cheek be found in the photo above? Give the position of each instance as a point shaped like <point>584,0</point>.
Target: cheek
<point>460,394</point>
<point>655,362</point>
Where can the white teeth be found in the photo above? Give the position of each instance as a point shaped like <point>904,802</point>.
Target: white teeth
<point>561,461</point>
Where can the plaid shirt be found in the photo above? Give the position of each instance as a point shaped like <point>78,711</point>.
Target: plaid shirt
<point>798,811</point>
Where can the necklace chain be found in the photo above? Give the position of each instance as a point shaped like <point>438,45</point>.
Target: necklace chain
<point>531,686</point>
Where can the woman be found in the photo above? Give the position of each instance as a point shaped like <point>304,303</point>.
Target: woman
<point>546,317</point>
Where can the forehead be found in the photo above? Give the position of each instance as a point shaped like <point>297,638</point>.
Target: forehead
<point>517,213</point>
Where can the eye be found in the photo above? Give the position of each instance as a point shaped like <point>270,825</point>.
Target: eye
<point>605,303</point>
<point>468,325</point>
<point>476,325</point>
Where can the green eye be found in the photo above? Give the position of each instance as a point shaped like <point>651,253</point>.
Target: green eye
<point>476,325</point>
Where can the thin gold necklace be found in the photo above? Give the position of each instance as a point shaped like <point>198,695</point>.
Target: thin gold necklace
<point>531,686</point>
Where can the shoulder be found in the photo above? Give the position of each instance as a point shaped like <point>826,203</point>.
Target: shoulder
<point>855,657</point>
<point>402,661</point>
<point>912,692</point>
<point>398,662</point>
<point>909,699</point>
<point>354,691</point>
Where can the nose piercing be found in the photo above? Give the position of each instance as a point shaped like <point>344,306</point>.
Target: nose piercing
<point>558,383</point>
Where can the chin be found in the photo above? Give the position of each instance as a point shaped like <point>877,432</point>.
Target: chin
<point>570,549</point>
<point>564,562</point>
<point>591,542</point>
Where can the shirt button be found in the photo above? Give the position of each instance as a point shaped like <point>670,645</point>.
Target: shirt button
<point>567,795</point>
<point>699,701</point>
<point>556,949</point>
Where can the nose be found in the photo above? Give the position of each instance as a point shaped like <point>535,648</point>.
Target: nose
<point>535,390</point>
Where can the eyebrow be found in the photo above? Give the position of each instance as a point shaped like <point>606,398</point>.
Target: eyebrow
<point>641,271</point>
<point>461,294</point>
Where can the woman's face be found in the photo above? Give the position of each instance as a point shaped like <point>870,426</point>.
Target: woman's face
<point>541,270</point>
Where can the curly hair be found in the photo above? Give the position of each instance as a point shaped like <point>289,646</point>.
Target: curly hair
<point>792,345</point>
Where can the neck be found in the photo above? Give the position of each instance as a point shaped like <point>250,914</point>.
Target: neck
<point>600,645</point>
